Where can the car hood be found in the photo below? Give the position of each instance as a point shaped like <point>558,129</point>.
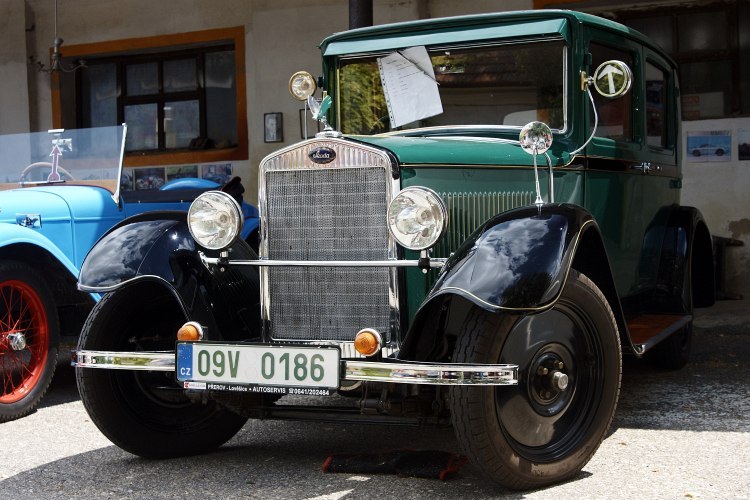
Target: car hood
<point>459,150</point>
<point>57,203</point>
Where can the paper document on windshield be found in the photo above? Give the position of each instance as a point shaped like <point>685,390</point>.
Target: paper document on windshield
<point>409,85</point>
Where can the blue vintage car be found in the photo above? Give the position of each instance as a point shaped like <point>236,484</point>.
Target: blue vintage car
<point>60,192</point>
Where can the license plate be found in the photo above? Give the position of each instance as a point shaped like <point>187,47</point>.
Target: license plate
<point>224,366</point>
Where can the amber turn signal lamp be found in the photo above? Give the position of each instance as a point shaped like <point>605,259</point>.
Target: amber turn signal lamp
<point>368,342</point>
<point>190,331</point>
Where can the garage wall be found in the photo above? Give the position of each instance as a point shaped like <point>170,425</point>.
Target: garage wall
<point>718,185</point>
<point>14,88</point>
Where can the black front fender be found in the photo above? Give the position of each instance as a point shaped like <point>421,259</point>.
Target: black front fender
<point>162,250</point>
<point>517,260</point>
<point>515,263</point>
<point>135,248</point>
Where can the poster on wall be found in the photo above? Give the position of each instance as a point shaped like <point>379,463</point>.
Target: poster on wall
<point>182,172</point>
<point>126,180</point>
<point>743,144</point>
<point>148,178</point>
<point>220,173</point>
<point>709,146</point>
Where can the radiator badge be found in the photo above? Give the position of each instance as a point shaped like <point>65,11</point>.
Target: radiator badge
<point>322,155</point>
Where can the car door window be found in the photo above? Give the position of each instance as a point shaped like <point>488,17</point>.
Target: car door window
<point>656,106</point>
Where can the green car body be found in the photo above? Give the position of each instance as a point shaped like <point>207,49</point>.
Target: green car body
<point>441,259</point>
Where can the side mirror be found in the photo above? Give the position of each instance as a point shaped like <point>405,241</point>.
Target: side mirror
<point>536,138</point>
<point>612,79</point>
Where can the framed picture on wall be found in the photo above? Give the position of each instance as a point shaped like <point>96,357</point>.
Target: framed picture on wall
<point>273,127</point>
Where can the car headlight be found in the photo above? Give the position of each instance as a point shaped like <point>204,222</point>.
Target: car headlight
<point>417,218</point>
<point>214,220</point>
<point>302,85</point>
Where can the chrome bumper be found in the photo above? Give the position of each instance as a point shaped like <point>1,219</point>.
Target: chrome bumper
<point>401,372</point>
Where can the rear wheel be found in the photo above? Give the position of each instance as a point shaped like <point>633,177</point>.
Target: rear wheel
<point>146,412</point>
<point>28,339</point>
<point>545,429</point>
<point>673,352</point>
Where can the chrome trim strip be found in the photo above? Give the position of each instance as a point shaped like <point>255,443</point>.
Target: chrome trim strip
<point>434,263</point>
<point>402,372</point>
<point>140,360</point>
<point>428,373</point>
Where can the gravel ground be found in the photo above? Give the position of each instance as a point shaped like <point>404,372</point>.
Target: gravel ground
<point>682,434</point>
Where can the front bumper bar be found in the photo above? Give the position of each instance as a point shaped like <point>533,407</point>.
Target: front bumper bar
<point>400,372</point>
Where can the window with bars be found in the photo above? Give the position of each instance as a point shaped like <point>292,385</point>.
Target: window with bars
<point>180,95</point>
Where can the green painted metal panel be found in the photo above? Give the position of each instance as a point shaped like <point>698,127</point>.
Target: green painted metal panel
<point>473,195</point>
<point>463,34</point>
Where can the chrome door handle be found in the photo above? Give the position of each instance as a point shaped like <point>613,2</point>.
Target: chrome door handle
<point>646,167</point>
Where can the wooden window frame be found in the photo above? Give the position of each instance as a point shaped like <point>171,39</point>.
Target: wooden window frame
<point>167,43</point>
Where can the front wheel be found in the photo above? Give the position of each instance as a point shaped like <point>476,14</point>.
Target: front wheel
<point>146,412</point>
<point>28,339</point>
<point>546,428</point>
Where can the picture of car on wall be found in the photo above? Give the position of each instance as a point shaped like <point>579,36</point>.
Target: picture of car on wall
<point>709,147</point>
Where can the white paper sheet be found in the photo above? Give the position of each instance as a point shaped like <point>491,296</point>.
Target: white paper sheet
<point>411,91</point>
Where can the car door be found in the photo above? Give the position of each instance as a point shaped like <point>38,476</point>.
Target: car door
<point>620,163</point>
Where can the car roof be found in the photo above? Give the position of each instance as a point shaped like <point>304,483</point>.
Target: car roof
<point>450,29</point>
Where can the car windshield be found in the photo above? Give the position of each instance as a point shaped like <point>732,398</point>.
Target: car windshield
<point>90,156</point>
<point>506,85</point>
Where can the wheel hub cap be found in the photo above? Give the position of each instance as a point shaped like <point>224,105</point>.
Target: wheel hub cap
<point>548,381</point>
<point>17,341</point>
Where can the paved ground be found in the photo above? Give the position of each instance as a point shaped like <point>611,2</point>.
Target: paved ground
<point>683,434</point>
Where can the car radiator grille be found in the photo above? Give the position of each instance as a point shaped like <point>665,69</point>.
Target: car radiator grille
<point>468,210</point>
<point>316,212</point>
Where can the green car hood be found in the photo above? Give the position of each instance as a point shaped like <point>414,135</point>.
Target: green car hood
<point>459,150</point>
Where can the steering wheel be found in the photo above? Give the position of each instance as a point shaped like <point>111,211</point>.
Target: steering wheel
<point>45,164</point>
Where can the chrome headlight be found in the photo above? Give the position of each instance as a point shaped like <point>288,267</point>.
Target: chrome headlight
<point>214,220</point>
<point>302,85</point>
<point>417,218</point>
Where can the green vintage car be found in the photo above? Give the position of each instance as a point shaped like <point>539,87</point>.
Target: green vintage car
<point>489,219</point>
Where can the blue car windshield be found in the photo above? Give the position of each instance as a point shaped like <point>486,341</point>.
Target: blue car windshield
<point>90,157</point>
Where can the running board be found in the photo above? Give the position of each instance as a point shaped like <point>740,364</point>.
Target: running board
<point>647,330</point>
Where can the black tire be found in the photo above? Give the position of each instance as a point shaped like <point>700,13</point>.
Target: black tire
<point>535,433</point>
<point>143,412</point>
<point>696,152</point>
<point>719,152</point>
<point>29,335</point>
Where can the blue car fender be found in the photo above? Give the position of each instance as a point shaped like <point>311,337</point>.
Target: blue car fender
<point>11,234</point>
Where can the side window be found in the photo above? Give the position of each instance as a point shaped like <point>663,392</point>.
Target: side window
<point>615,115</point>
<point>657,107</point>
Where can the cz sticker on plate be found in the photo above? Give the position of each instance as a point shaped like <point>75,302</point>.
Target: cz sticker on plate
<point>258,368</point>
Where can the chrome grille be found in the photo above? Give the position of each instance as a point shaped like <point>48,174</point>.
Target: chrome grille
<point>327,212</point>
